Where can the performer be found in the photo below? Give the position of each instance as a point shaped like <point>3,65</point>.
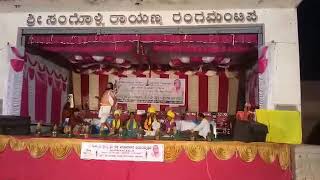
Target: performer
<point>151,125</point>
<point>169,126</point>
<point>203,128</point>
<point>116,122</point>
<point>132,126</point>
<point>246,114</point>
<point>107,102</point>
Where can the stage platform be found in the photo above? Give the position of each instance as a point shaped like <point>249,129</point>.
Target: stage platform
<point>59,158</point>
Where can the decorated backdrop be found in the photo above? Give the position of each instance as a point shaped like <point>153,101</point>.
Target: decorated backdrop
<point>205,91</point>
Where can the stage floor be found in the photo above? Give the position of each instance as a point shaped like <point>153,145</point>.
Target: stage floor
<point>58,158</point>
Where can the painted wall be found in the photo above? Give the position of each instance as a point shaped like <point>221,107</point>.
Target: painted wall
<point>280,26</point>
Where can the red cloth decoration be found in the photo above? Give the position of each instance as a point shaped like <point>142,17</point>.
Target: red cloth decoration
<point>56,103</point>
<point>103,82</point>
<point>20,166</point>
<point>223,92</point>
<point>17,64</point>
<point>41,97</point>
<point>24,111</point>
<point>203,93</point>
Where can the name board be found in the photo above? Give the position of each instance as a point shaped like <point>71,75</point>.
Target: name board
<point>122,152</point>
<point>101,19</point>
<point>151,91</point>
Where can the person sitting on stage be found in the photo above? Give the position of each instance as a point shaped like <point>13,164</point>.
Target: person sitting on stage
<point>66,114</point>
<point>169,126</point>
<point>246,114</point>
<point>150,118</point>
<point>116,122</point>
<point>148,123</point>
<point>131,126</point>
<point>107,102</point>
<point>203,128</point>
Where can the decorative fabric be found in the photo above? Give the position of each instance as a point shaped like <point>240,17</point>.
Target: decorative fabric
<point>24,95</point>
<point>203,93</point>
<point>76,79</point>
<point>31,93</point>
<point>223,92</point>
<point>93,91</point>
<point>195,151</point>
<point>14,82</point>
<point>56,102</point>
<point>49,100</point>
<point>40,97</point>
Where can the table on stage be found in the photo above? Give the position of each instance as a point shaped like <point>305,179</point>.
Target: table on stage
<point>58,158</point>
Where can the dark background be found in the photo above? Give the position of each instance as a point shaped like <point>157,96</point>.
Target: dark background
<point>309,39</point>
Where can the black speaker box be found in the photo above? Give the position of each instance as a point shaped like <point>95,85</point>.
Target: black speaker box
<point>250,131</point>
<point>14,125</point>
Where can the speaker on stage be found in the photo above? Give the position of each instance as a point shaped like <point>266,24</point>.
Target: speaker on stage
<point>14,125</point>
<point>249,131</point>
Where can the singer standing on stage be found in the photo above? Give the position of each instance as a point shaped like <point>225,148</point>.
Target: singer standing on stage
<point>107,102</point>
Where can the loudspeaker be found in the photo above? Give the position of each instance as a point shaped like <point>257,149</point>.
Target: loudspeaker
<point>249,131</point>
<point>14,125</point>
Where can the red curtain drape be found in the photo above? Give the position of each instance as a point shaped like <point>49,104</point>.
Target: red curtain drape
<point>41,97</point>
<point>24,111</point>
<point>185,77</point>
<point>203,93</point>
<point>56,102</point>
<point>223,92</point>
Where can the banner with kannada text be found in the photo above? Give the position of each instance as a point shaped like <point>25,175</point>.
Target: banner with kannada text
<point>151,91</point>
<point>122,151</point>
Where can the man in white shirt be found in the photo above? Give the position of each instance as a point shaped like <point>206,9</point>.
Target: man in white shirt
<point>203,128</point>
<point>107,101</point>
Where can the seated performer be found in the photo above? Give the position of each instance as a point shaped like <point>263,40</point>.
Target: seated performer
<point>116,122</point>
<point>131,126</point>
<point>107,101</point>
<point>203,128</point>
<point>169,127</point>
<point>148,123</point>
<point>66,114</point>
<point>246,114</point>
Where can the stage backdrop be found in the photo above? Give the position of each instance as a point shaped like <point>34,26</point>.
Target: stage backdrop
<point>208,91</point>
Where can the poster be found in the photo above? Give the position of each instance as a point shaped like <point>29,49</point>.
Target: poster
<point>122,151</point>
<point>151,91</point>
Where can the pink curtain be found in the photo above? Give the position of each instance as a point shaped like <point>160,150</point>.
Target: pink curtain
<point>56,102</point>
<point>24,111</point>
<point>41,96</point>
<point>223,92</point>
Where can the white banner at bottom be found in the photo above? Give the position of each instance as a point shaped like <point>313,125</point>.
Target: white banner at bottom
<point>122,151</point>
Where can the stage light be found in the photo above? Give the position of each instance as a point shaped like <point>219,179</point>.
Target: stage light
<point>208,59</point>
<point>185,59</point>
<point>119,60</point>
<point>78,57</point>
<point>98,58</point>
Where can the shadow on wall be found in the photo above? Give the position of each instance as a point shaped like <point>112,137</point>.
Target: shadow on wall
<point>1,105</point>
<point>310,107</point>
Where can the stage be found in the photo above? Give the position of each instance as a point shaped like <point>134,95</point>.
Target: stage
<point>59,158</point>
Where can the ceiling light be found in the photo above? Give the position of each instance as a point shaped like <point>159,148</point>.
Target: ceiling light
<point>98,58</point>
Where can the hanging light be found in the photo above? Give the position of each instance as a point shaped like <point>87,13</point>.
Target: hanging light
<point>208,59</point>
<point>78,57</point>
<point>98,58</point>
<point>185,59</point>
<point>225,60</point>
<point>119,60</point>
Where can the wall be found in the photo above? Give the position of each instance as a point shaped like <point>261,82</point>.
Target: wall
<point>280,26</point>
<point>306,162</point>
